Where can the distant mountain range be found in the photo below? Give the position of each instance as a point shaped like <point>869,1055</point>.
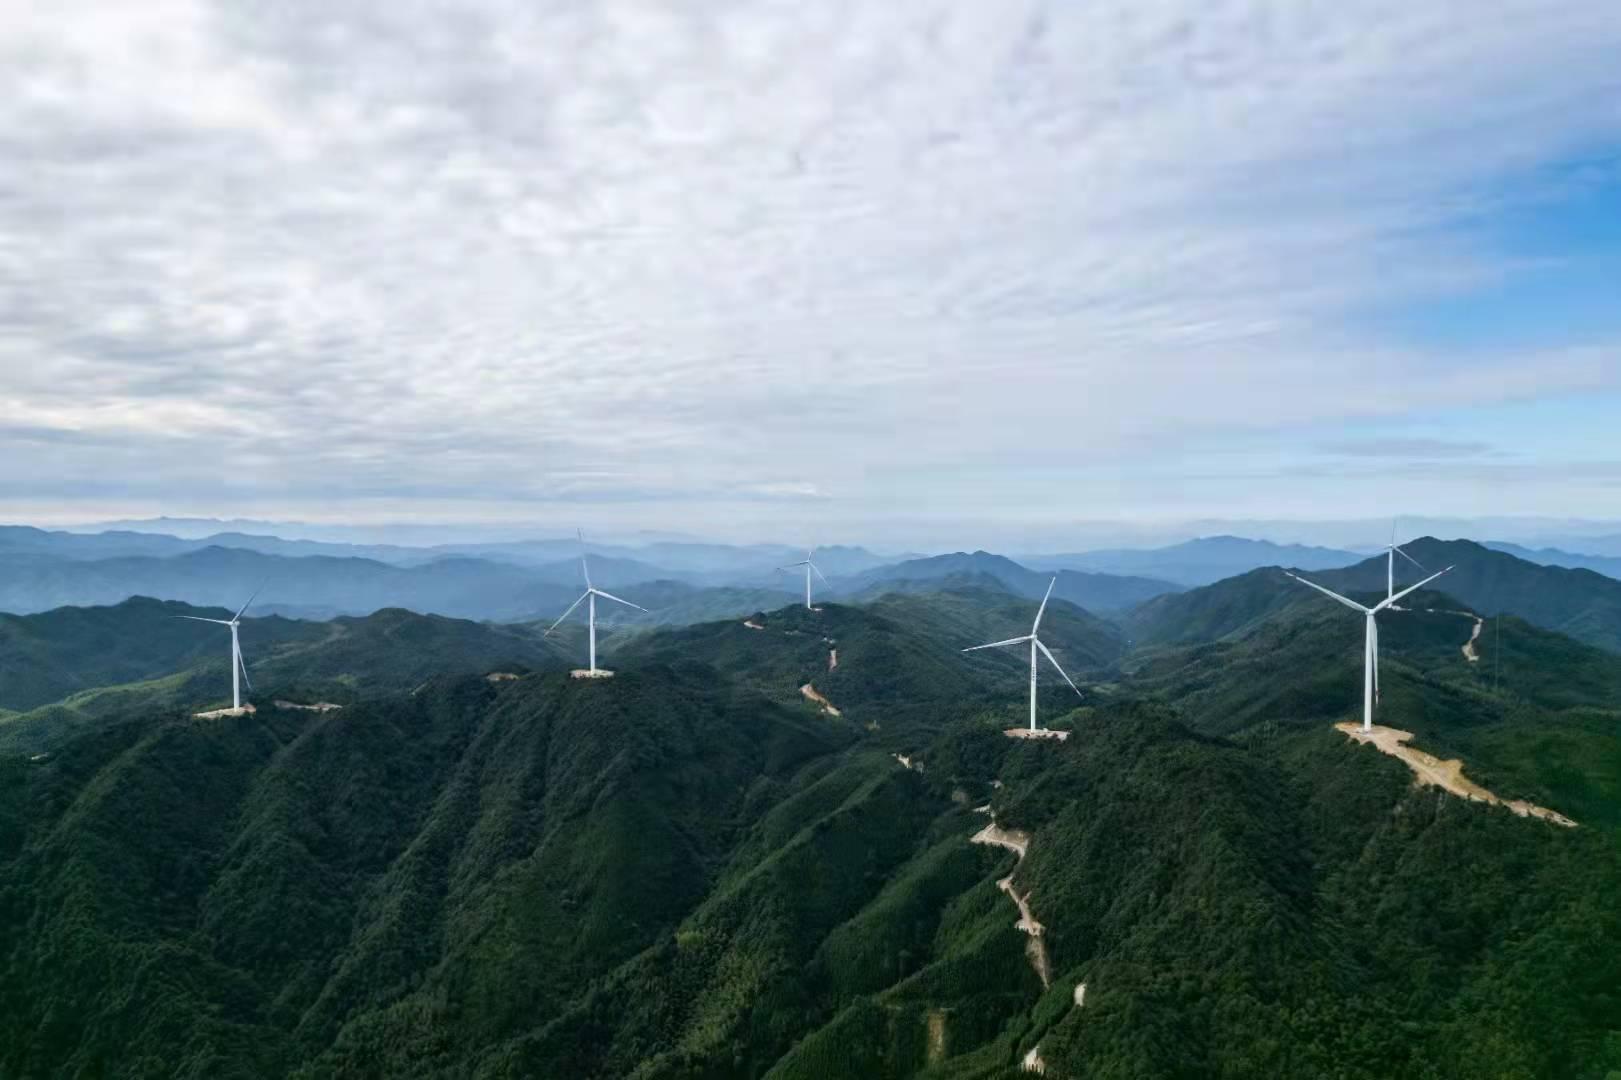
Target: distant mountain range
<point>1199,562</point>
<point>1608,565</point>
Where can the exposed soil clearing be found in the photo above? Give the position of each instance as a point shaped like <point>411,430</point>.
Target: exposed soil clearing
<point>1032,1062</point>
<point>319,706</point>
<point>1019,843</point>
<point>827,706</point>
<point>1038,733</point>
<point>1448,775</point>
<point>500,676</point>
<point>907,763</point>
<point>752,625</point>
<point>215,714</point>
<point>937,1036</point>
<point>832,659</point>
<point>590,673</point>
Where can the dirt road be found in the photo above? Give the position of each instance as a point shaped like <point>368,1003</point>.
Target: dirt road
<point>1448,775</point>
<point>1019,843</point>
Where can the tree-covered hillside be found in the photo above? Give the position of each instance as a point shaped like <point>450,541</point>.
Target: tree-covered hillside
<point>691,870</point>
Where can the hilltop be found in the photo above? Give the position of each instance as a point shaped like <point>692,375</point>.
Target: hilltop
<point>694,869</point>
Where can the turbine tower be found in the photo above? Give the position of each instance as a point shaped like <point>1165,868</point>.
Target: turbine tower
<point>239,670</point>
<point>1370,637</point>
<point>1035,644</point>
<point>590,598</point>
<point>809,567</point>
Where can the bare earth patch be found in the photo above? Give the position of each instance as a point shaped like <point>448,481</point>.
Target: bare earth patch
<point>1448,775</point>
<point>319,706</point>
<point>827,706</point>
<point>752,625</point>
<point>1038,733</point>
<point>500,676</point>
<point>588,673</point>
<point>832,659</point>
<point>215,714</point>
<point>937,1036</point>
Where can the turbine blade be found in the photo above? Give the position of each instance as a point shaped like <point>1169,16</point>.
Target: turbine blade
<point>1373,628</point>
<point>243,664</point>
<point>199,618</point>
<point>615,599</point>
<point>793,565</point>
<point>1042,609</point>
<point>1410,559</point>
<point>1410,588</point>
<point>251,599</point>
<point>994,644</point>
<point>819,574</point>
<point>1329,592</point>
<point>567,613</point>
<point>1048,654</point>
<point>584,567</point>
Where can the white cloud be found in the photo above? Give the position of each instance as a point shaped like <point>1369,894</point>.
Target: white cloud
<point>643,251</point>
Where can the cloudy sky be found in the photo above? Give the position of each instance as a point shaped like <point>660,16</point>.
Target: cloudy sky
<point>763,268</point>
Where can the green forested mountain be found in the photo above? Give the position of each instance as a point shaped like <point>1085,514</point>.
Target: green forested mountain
<point>1094,591</point>
<point>1580,603</point>
<point>62,670</point>
<point>690,870</point>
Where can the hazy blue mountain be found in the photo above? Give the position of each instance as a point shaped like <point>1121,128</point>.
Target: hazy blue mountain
<point>226,577</point>
<point>1201,561</point>
<point>1608,565</point>
<point>1095,592</point>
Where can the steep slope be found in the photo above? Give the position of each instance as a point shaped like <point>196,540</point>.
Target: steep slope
<point>414,876</point>
<point>1095,592</point>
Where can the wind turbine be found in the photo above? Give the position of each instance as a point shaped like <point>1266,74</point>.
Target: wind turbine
<point>809,567</point>
<point>1370,637</point>
<point>1391,551</point>
<point>590,598</point>
<point>1035,644</point>
<point>239,670</point>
